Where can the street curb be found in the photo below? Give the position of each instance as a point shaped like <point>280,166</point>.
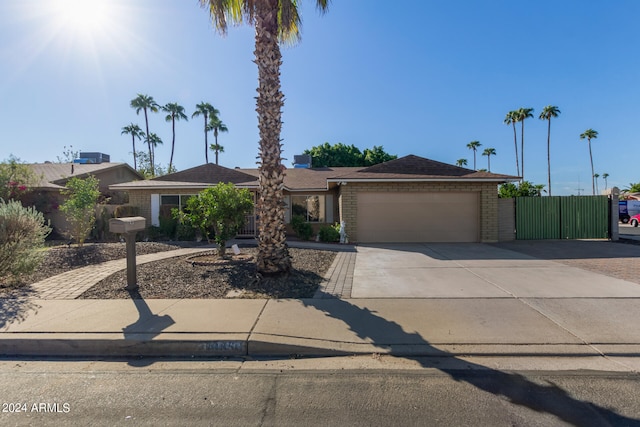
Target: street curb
<point>99,345</point>
<point>200,345</point>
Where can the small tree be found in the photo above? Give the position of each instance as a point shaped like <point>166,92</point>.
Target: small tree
<point>22,234</point>
<point>523,189</point>
<point>145,169</point>
<point>221,209</point>
<point>68,155</point>
<point>82,197</point>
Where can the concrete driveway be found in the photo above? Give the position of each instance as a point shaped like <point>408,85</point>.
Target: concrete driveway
<point>473,270</point>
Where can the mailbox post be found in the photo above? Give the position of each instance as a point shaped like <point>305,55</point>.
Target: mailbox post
<point>129,227</point>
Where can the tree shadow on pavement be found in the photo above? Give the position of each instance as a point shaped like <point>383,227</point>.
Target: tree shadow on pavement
<point>516,388</point>
<point>16,308</point>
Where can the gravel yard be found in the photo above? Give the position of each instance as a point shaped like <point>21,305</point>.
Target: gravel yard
<point>204,276</point>
<point>207,276</point>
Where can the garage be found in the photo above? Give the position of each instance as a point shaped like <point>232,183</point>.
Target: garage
<point>418,217</point>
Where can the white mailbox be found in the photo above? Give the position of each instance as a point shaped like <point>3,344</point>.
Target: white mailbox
<point>126,225</point>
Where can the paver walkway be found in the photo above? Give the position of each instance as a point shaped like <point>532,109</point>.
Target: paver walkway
<point>74,283</point>
<point>339,278</point>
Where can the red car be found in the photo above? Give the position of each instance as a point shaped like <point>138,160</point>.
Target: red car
<point>634,220</point>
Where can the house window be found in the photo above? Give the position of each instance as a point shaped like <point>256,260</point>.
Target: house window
<point>168,202</point>
<point>311,208</point>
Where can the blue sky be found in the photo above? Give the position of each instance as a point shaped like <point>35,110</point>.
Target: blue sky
<point>425,78</point>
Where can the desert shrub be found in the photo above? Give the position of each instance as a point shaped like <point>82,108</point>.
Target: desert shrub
<point>329,233</point>
<point>303,229</point>
<point>22,234</point>
<point>101,229</point>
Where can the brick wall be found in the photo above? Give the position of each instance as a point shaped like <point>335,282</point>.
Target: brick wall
<point>348,201</point>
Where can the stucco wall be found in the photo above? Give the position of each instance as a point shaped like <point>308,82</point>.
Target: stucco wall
<point>348,202</point>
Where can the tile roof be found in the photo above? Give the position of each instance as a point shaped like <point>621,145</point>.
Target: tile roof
<point>318,179</point>
<point>417,168</point>
<point>55,175</point>
<point>298,179</point>
<point>209,173</point>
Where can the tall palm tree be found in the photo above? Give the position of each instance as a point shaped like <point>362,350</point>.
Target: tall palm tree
<point>511,119</point>
<point>605,176</point>
<point>176,112</point>
<point>590,134</point>
<point>474,145</point>
<point>154,140</point>
<point>216,125</point>
<point>523,114</point>
<point>547,113</point>
<point>135,132</point>
<point>596,176</point>
<point>206,110</point>
<point>489,152</point>
<point>275,21</point>
<point>217,148</point>
<point>146,103</point>
<point>461,162</point>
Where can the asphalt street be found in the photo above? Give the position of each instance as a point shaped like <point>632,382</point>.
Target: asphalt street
<point>383,391</point>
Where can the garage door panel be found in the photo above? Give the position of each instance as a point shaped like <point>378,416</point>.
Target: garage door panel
<point>418,217</point>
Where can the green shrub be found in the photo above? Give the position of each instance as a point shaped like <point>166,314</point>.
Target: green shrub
<point>330,233</point>
<point>168,227</point>
<point>22,234</point>
<point>185,232</point>
<point>126,211</point>
<point>303,229</point>
<point>153,233</point>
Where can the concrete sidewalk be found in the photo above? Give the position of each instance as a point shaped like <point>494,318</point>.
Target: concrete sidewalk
<point>604,332</point>
<point>517,308</point>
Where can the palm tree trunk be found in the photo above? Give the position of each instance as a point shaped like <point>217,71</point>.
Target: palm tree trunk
<point>549,157</point>
<point>593,182</point>
<point>215,135</point>
<point>133,141</point>
<point>273,254</point>
<point>522,149</point>
<point>206,142</point>
<point>146,122</point>
<point>515,143</point>
<point>173,142</point>
<point>474,159</point>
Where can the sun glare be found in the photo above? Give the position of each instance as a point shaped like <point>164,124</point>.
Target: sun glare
<point>83,16</point>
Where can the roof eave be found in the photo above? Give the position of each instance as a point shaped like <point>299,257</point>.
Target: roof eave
<point>497,180</point>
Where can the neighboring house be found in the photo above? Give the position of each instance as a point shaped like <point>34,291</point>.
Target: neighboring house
<point>53,177</point>
<point>410,199</point>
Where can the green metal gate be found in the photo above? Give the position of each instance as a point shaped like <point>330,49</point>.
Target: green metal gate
<point>562,217</point>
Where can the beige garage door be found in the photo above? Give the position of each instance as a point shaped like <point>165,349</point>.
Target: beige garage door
<point>418,217</point>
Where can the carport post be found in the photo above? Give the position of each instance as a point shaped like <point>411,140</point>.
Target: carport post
<point>129,227</point>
